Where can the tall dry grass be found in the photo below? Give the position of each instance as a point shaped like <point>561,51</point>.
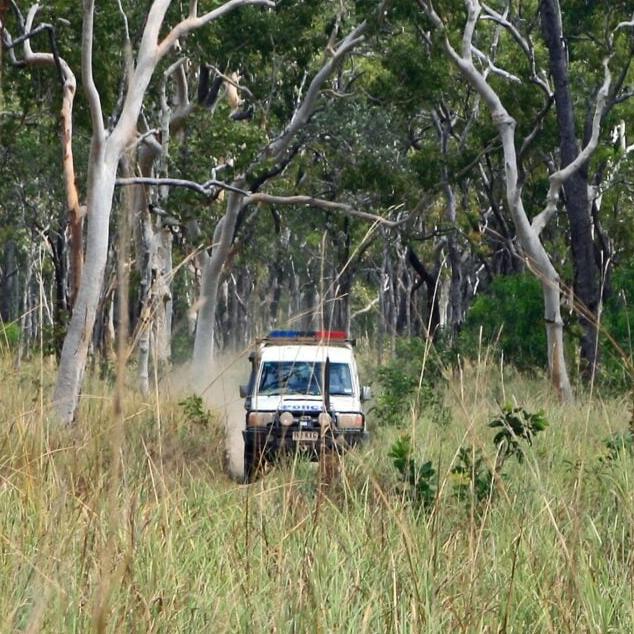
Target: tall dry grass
<point>168,543</point>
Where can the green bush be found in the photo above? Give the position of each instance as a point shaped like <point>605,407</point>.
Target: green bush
<point>515,424</point>
<point>403,384</point>
<point>473,478</point>
<point>9,335</point>
<point>195,411</point>
<point>619,444</point>
<point>616,327</point>
<point>419,478</point>
<point>510,312</point>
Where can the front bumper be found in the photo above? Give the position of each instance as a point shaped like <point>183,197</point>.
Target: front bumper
<point>273,439</point>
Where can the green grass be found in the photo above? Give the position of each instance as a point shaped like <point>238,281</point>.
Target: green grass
<point>168,543</point>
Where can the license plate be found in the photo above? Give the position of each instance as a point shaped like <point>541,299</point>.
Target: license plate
<point>306,436</point>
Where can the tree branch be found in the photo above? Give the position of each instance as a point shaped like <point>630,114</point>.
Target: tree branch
<point>238,87</point>
<point>305,110</point>
<point>524,43</point>
<point>558,178</point>
<point>276,170</point>
<point>320,203</point>
<point>92,94</point>
<point>206,189</point>
<point>195,22</point>
<point>541,115</point>
<point>495,69</point>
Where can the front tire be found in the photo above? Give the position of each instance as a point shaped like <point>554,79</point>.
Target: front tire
<point>253,458</point>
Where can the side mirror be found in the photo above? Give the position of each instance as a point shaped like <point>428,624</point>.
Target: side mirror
<point>244,390</point>
<point>366,393</point>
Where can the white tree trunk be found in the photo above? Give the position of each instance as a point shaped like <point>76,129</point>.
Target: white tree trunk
<point>163,294</point>
<point>202,359</point>
<point>75,349</point>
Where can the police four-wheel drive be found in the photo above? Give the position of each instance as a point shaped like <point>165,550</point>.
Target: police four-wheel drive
<point>288,410</point>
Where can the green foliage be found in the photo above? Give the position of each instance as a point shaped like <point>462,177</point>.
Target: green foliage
<point>405,386</point>
<point>195,411</point>
<point>619,444</point>
<point>9,335</point>
<point>615,368</point>
<point>511,314</point>
<point>515,424</point>
<point>419,477</point>
<point>473,479</point>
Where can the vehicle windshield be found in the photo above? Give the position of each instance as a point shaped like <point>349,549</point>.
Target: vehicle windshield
<point>303,377</point>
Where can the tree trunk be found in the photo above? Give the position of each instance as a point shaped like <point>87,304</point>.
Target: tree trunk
<point>432,320</point>
<point>75,349</point>
<point>9,298</point>
<point>586,272</point>
<point>58,246</point>
<point>455,313</point>
<point>163,295</point>
<point>202,360</point>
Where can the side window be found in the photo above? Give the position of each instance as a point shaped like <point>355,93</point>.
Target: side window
<point>340,383</point>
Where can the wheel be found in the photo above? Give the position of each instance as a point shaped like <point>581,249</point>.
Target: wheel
<point>253,459</point>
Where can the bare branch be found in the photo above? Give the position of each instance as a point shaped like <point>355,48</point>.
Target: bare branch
<point>183,105</point>
<point>558,178</point>
<point>320,203</point>
<point>305,110</point>
<point>228,79</point>
<point>366,309</point>
<point>491,14</point>
<point>129,62</point>
<point>195,22</point>
<point>524,43</point>
<point>625,25</point>
<point>473,12</point>
<point>148,136</point>
<point>495,69</point>
<point>206,189</point>
<point>537,127</point>
<point>92,94</point>
<point>624,96</point>
<point>31,58</point>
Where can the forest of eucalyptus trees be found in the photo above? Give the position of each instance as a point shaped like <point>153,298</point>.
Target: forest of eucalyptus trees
<point>183,176</point>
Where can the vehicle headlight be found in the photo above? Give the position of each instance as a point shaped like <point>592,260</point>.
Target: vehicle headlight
<point>259,419</point>
<point>286,418</point>
<point>325,420</point>
<point>350,420</point>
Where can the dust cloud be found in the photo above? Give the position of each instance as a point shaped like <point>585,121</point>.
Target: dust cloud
<point>222,395</point>
<point>220,390</point>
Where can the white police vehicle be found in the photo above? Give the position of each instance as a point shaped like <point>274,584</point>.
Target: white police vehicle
<point>288,410</point>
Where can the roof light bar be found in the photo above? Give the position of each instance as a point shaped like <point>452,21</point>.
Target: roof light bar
<point>338,335</point>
